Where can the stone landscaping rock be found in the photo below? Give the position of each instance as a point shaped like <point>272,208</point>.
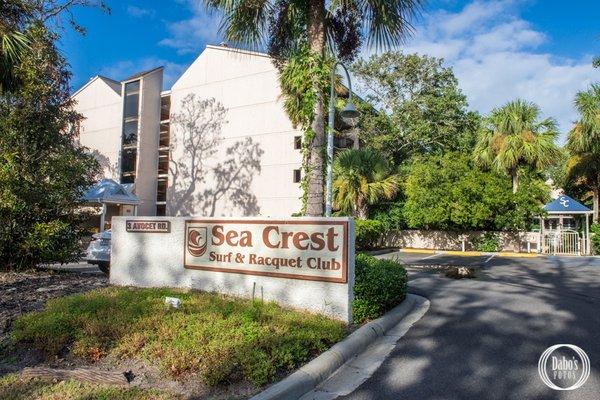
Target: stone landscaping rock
<point>461,273</point>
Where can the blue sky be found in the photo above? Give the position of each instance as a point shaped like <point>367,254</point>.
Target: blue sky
<point>540,50</point>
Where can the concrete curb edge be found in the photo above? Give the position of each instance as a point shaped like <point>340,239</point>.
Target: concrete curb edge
<point>307,377</point>
<point>471,253</point>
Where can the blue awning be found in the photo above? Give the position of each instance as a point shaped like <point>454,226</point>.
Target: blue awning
<point>109,191</point>
<point>566,205</point>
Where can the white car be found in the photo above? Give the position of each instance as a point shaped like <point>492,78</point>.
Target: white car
<point>98,252</point>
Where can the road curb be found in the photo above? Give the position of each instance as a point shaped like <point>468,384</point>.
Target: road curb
<point>312,374</point>
<point>471,253</point>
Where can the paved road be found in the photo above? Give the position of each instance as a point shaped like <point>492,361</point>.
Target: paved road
<point>482,338</point>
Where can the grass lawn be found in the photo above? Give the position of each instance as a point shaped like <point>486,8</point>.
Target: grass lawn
<point>13,388</point>
<point>222,339</point>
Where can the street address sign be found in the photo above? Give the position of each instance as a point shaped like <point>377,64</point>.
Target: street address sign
<point>156,226</point>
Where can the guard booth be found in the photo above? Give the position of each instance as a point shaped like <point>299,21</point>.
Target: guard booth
<point>565,229</point>
<point>113,199</point>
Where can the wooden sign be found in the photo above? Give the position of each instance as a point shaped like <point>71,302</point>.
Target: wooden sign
<point>303,249</point>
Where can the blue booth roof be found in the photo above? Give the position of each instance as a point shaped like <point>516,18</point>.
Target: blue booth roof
<point>566,205</point>
<point>109,191</point>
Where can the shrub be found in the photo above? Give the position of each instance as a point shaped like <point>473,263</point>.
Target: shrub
<point>380,285</point>
<point>368,232</point>
<point>390,215</point>
<point>488,242</point>
<point>595,237</point>
<point>220,338</point>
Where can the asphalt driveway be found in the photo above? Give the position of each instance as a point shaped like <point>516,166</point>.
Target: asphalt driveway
<point>482,338</point>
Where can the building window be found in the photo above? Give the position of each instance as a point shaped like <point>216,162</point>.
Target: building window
<point>164,135</point>
<point>297,175</point>
<point>129,135</point>
<point>132,87</point>
<point>130,132</point>
<point>297,142</point>
<point>165,108</point>
<point>163,162</point>
<point>132,102</point>
<point>163,154</point>
<point>128,160</point>
<point>161,191</point>
<point>161,210</point>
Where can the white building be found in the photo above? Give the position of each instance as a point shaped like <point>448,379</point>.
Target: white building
<point>218,143</point>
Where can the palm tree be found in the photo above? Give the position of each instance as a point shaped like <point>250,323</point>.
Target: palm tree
<point>13,45</point>
<point>584,144</point>
<point>513,136</point>
<point>362,178</point>
<point>285,25</point>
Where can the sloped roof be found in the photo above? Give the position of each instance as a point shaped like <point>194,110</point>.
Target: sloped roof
<point>566,205</point>
<point>109,191</point>
<point>140,74</point>
<point>111,83</point>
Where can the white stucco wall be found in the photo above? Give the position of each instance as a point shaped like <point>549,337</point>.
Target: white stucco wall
<point>148,135</point>
<point>100,104</point>
<point>156,260</point>
<point>246,84</point>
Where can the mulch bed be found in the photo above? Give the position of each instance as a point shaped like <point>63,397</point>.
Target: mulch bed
<point>21,292</point>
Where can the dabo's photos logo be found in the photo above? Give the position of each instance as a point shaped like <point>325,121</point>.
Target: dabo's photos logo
<point>564,367</point>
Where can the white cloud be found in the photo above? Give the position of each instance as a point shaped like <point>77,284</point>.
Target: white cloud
<point>494,54</point>
<point>190,35</point>
<point>472,16</point>
<point>139,12</point>
<point>122,69</point>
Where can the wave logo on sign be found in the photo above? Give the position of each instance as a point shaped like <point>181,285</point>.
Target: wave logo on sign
<point>197,241</point>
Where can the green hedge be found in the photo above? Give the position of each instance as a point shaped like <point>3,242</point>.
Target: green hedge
<point>368,232</point>
<point>488,242</point>
<point>379,286</point>
<point>595,229</point>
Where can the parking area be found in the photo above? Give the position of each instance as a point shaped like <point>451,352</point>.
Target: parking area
<point>482,337</point>
<point>489,260</point>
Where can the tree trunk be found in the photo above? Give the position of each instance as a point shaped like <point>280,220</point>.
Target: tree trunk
<point>316,39</point>
<point>515,180</point>
<point>362,211</point>
<point>596,195</point>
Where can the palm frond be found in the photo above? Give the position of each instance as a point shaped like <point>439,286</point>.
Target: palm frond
<point>13,46</point>
<point>362,176</point>
<point>514,135</point>
<point>244,22</point>
<point>387,23</point>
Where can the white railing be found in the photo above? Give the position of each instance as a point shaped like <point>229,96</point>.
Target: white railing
<point>561,243</point>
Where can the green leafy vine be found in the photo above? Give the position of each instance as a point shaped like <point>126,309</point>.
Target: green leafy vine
<point>303,78</point>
